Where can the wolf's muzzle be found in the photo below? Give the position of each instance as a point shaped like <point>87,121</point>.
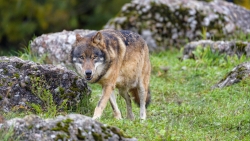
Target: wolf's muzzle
<point>88,74</point>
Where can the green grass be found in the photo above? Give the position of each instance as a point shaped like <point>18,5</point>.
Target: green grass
<point>184,107</point>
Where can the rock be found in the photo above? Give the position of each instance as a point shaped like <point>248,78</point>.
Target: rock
<point>230,48</point>
<point>238,73</point>
<point>25,82</point>
<point>69,127</point>
<point>164,23</point>
<point>56,46</point>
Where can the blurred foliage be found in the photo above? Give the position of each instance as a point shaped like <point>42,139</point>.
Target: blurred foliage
<point>244,3</point>
<point>23,19</point>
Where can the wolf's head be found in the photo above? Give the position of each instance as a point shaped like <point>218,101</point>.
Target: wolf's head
<point>88,56</point>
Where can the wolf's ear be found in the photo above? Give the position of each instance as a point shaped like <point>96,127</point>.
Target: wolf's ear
<point>78,37</point>
<point>97,38</point>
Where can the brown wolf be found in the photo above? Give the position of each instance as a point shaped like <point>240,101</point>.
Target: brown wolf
<point>115,59</point>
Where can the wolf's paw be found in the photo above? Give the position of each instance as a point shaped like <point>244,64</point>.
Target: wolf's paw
<point>96,117</point>
<point>143,116</point>
<point>118,117</point>
<point>131,116</point>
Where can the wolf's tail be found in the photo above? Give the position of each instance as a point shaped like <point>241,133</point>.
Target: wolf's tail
<point>136,98</point>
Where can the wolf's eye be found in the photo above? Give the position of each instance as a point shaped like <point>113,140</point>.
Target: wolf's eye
<point>81,57</point>
<point>94,57</point>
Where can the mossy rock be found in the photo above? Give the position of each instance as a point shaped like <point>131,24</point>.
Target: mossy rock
<point>24,82</point>
<point>69,127</point>
<point>164,24</point>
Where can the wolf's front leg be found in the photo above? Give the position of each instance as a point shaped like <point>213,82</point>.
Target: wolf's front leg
<point>106,92</point>
<point>116,111</point>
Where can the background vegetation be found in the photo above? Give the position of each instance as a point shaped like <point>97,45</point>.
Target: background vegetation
<point>21,20</point>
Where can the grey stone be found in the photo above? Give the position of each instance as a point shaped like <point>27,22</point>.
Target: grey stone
<point>237,74</point>
<point>20,81</point>
<point>174,22</point>
<point>230,48</point>
<point>56,46</point>
<point>70,127</point>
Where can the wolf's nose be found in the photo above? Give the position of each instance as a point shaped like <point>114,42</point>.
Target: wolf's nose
<point>88,72</point>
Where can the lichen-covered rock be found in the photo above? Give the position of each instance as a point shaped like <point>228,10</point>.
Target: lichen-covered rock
<point>70,127</point>
<point>163,23</point>
<point>238,73</point>
<point>56,46</point>
<point>230,48</point>
<point>25,82</point>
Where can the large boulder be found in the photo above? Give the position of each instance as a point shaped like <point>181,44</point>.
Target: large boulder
<point>24,82</point>
<point>56,47</point>
<point>70,127</point>
<point>163,23</point>
<point>237,74</point>
<point>230,48</point>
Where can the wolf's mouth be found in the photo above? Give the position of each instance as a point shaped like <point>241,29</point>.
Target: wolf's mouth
<point>88,77</point>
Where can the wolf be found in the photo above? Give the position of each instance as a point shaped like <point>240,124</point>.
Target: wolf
<point>115,59</point>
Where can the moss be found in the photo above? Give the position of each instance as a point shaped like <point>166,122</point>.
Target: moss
<point>240,46</point>
<point>107,135</point>
<point>104,130</point>
<point>240,73</point>
<point>19,65</point>
<point>97,137</point>
<point>63,126</point>
<point>5,71</point>
<point>1,98</point>
<point>241,69</point>
<point>60,137</point>
<point>73,86</point>
<point>64,95</point>
<point>118,132</point>
<point>9,83</point>
<point>30,127</point>
<point>79,135</point>
<point>68,95</point>
<point>16,75</point>
<point>61,90</point>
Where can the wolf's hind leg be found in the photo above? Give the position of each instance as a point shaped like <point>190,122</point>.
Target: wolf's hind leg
<point>125,95</point>
<point>142,97</point>
<point>116,111</point>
